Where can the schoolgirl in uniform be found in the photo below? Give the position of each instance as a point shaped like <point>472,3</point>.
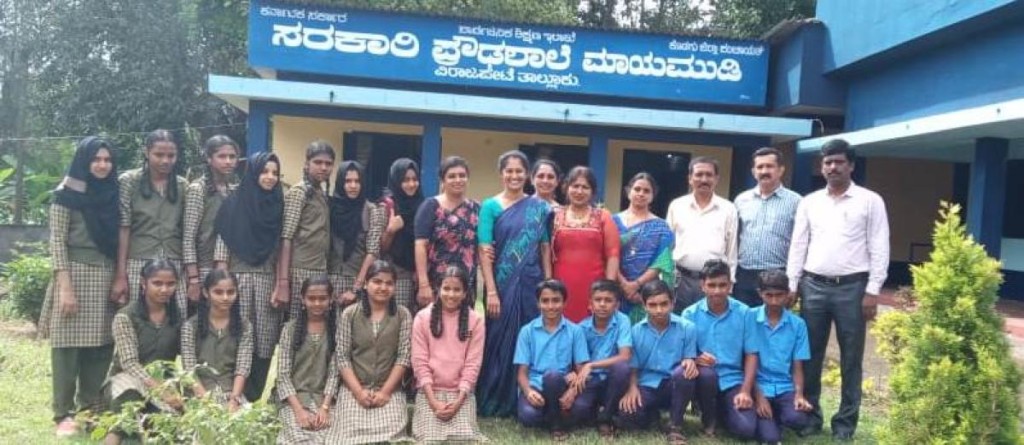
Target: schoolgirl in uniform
<point>356,228</point>
<point>402,198</point>
<point>152,206</point>
<point>220,340</point>
<point>202,202</point>
<point>307,369</point>
<point>78,313</point>
<point>306,236</point>
<point>145,331</point>
<point>249,231</point>
<point>373,356</point>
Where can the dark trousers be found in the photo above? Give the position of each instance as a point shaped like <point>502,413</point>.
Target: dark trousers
<point>784,414</point>
<point>687,289</point>
<point>820,305</point>
<point>745,288</point>
<point>600,399</point>
<point>78,375</point>
<point>673,393</point>
<point>257,380</point>
<point>553,387</point>
<point>718,405</point>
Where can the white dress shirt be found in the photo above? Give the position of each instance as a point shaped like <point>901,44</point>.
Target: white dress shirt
<point>835,236</point>
<point>703,234</point>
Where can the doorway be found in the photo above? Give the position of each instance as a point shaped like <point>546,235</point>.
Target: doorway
<point>377,151</point>
<point>668,168</point>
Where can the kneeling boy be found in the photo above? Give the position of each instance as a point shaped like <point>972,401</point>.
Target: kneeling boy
<point>663,367</point>
<point>727,348</point>
<point>780,376</point>
<point>604,380</point>
<point>548,350</point>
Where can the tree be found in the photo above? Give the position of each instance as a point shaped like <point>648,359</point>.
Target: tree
<point>753,18</point>
<point>953,379</point>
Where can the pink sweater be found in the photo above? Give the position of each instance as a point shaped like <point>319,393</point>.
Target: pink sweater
<point>447,363</point>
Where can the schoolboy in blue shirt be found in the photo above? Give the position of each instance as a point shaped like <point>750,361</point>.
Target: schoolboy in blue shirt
<point>548,351</point>
<point>727,348</point>
<point>663,367</point>
<point>779,399</point>
<point>604,380</point>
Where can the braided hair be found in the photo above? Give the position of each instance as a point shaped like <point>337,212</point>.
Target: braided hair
<point>210,148</point>
<point>147,184</point>
<point>436,323</point>
<point>203,319</point>
<point>301,323</point>
<point>314,149</point>
<point>378,267</point>
<point>148,270</point>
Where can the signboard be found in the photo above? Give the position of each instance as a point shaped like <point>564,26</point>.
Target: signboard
<point>379,45</point>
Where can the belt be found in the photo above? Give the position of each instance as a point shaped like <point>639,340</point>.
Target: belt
<point>837,280</point>
<point>687,272</point>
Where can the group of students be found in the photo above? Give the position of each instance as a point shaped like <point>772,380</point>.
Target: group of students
<point>162,248</point>
<point>741,366</point>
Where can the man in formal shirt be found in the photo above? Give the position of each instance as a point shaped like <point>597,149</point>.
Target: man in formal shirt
<point>838,260</point>
<point>705,227</point>
<point>766,214</point>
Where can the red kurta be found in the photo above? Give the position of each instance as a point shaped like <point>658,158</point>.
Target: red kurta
<point>579,255</point>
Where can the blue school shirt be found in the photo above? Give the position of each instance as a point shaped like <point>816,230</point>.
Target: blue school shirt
<point>656,354</point>
<point>786,342</point>
<point>616,335</point>
<point>546,351</point>
<point>728,337</point>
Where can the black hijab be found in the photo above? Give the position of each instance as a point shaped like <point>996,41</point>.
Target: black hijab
<point>402,250</point>
<point>347,213</point>
<point>250,219</point>
<point>97,199</point>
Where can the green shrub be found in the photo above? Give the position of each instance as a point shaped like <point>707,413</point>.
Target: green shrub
<point>203,420</point>
<point>953,379</point>
<point>26,277</point>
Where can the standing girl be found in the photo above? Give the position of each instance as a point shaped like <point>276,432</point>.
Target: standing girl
<point>249,230</point>
<point>647,243</point>
<point>584,242</point>
<point>513,239</point>
<point>401,200</point>
<point>78,312</point>
<point>204,199</point>
<point>220,339</point>
<point>446,231</point>
<point>307,370</point>
<point>151,217</point>
<point>447,351</point>
<point>356,227</point>
<point>306,237</point>
<point>373,355</point>
<point>145,331</point>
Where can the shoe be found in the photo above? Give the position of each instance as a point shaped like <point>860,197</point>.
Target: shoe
<point>67,427</point>
<point>674,436</point>
<point>809,430</point>
<point>842,436</point>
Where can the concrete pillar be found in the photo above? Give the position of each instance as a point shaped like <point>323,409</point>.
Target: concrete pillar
<point>741,179</point>
<point>257,130</point>
<point>987,193</point>
<point>430,158</point>
<point>597,159</point>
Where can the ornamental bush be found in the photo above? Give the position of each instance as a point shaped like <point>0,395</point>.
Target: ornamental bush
<point>953,379</point>
<point>26,277</point>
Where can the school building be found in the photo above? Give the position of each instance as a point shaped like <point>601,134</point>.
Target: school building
<point>924,89</point>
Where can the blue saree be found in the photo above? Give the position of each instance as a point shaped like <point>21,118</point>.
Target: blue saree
<point>645,245</point>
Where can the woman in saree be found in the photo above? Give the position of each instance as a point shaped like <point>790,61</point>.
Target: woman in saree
<point>513,237</point>
<point>647,243</point>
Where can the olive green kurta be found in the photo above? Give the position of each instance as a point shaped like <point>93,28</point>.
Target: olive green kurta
<point>156,223</point>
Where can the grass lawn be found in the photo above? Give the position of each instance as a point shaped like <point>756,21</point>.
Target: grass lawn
<point>25,405</point>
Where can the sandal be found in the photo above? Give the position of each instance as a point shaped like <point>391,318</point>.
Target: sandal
<point>675,436</point>
<point>559,435</point>
<point>606,431</point>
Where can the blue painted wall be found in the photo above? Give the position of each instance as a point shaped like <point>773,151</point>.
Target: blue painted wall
<point>798,73</point>
<point>982,69</point>
<point>859,29</point>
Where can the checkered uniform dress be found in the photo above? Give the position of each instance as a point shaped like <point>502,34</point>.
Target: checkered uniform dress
<point>353,424</point>
<point>426,427</point>
<point>190,359</point>
<point>341,274</point>
<point>133,376</point>
<point>254,292</point>
<point>90,325</point>
<point>291,432</point>
<point>294,205</point>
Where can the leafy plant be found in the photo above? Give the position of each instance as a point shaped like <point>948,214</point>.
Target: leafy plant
<point>26,278</point>
<point>202,420</point>
<point>952,380</point>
